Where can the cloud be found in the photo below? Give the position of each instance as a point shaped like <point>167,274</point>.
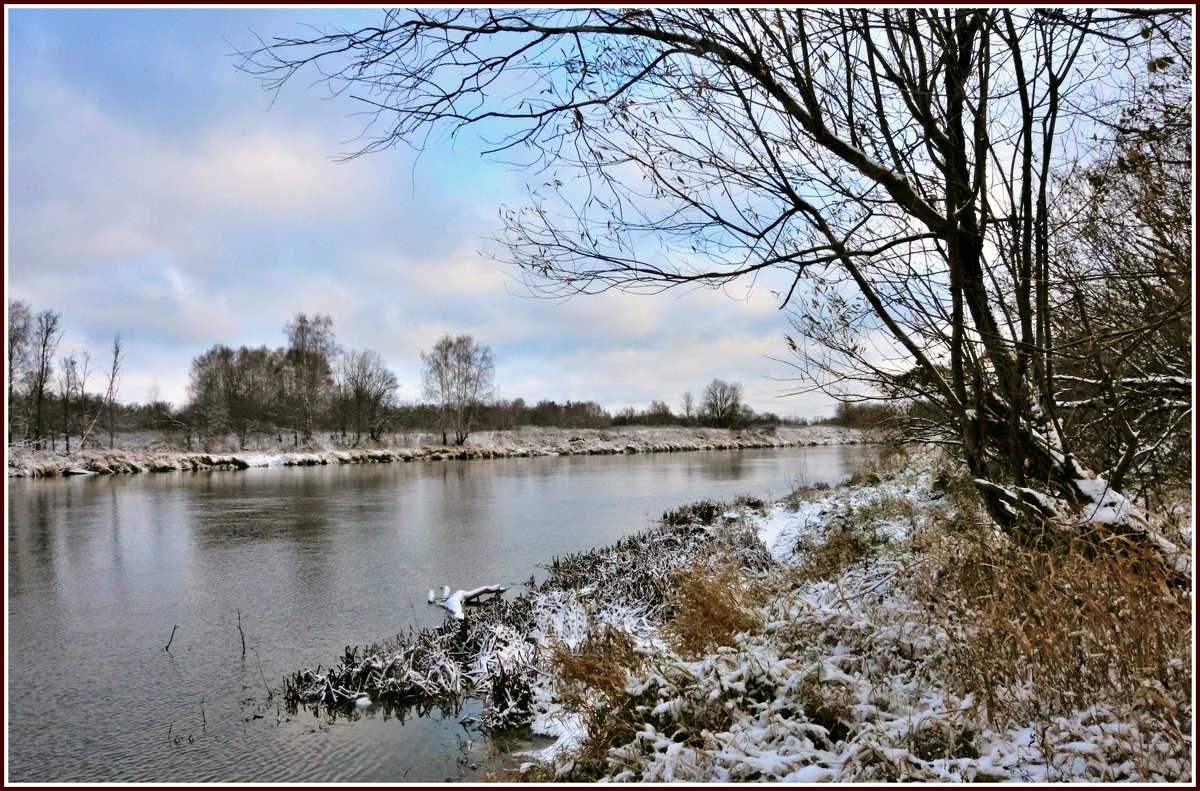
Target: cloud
<point>183,224</point>
<point>95,186</point>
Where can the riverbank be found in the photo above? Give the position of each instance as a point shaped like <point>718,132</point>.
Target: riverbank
<point>876,632</point>
<point>520,442</point>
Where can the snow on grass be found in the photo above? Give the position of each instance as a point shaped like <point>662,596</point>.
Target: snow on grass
<point>141,455</point>
<point>846,669</point>
<point>785,524</point>
<point>850,679</point>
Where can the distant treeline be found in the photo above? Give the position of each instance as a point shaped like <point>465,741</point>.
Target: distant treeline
<point>313,386</point>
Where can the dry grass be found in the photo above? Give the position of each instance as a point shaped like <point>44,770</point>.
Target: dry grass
<point>710,604</point>
<point>592,681</point>
<point>702,512</point>
<point>1177,518</point>
<point>707,605</point>
<point>886,507</point>
<point>1075,626</point>
<point>826,559</point>
<point>600,667</point>
<point>892,458</point>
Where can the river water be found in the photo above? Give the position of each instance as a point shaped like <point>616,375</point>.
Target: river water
<point>102,569</point>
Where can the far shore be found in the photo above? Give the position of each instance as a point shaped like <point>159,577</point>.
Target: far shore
<point>151,454</point>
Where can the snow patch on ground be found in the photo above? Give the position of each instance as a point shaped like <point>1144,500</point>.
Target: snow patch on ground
<point>848,681</point>
<point>142,455</point>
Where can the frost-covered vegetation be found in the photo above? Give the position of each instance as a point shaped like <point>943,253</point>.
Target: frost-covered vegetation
<point>147,453</point>
<point>881,631</point>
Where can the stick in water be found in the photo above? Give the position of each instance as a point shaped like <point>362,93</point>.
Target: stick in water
<point>270,694</point>
<point>167,647</point>
<point>243,634</point>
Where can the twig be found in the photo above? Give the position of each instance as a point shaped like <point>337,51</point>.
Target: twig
<point>270,694</point>
<point>242,633</point>
<point>167,647</point>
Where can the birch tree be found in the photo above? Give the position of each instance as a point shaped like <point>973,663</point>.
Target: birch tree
<point>20,347</point>
<point>458,377</point>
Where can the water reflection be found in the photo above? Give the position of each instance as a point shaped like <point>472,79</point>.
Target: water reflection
<point>729,467</point>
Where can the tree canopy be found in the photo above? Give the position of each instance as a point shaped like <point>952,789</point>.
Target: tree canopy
<point>902,169</point>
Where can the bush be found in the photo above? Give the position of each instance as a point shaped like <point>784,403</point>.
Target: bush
<point>709,606</point>
<point>1038,635</point>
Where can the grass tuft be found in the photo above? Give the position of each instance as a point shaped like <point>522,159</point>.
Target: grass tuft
<point>711,604</point>
<point>593,680</point>
<point>1043,633</point>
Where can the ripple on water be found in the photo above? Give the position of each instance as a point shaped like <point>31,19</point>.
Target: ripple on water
<point>314,558</point>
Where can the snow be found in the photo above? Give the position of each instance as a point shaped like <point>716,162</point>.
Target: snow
<point>454,602</point>
<point>849,676</point>
<point>140,453</point>
<point>860,644</point>
<point>782,527</point>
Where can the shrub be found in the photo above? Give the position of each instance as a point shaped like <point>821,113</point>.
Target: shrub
<point>709,606</point>
<point>1044,633</point>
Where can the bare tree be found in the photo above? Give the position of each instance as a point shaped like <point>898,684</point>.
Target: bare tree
<point>310,355</point>
<point>370,392</point>
<point>458,378</point>
<point>110,391</point>
<point>1123,255</point>
<point>895,166</point>
<point>112,379</point>
<point>659,414</point>
<point>238,390</point>
<point>20,346</point>
<point>47,332</point>
<point>74,371</point>
<point>156,402</point>
<point>689,406</point>
<point>207,389</point>
<point>721,404</point>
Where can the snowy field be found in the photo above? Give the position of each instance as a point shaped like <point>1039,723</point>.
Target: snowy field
<point>148,452</point>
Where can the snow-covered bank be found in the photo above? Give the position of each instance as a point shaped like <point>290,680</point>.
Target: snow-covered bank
<point>877,632</point>
<point>522,442</point>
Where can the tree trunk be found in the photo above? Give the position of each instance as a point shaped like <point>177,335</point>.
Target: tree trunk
<point>1073,502</point>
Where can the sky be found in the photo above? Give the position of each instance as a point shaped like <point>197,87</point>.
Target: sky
<point>155,191</point>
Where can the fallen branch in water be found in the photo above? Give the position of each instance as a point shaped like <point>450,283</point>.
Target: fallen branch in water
<point>167,647</point>
<point>270,694</point>
<point>454,602</point>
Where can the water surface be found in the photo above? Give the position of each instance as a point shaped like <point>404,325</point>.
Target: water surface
<point>102,568</point>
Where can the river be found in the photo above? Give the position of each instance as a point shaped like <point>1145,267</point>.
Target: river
<point>102,569</point>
